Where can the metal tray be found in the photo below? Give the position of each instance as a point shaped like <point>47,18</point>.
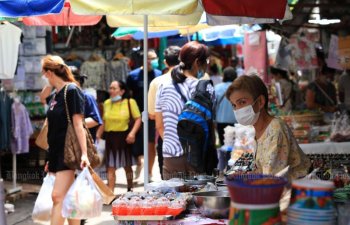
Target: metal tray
<point>145,218</point>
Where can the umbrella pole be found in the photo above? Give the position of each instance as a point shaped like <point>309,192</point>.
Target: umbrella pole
<point>188,35</point>
<point>145,96</point>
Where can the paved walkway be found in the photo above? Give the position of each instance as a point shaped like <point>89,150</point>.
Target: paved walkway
<point>24,206</point>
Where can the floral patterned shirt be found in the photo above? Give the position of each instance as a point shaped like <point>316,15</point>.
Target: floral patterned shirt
<point>277,149</point>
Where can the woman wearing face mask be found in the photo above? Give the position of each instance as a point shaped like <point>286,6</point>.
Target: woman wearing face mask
<point>60,77</point>
<point>169,103</point>
<point>119,136</point>
<point>321,94</point>
<point>276,146</point>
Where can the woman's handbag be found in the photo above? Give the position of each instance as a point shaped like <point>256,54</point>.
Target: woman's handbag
<point>107,195</point>
<point>41,140</point>
<point>72,151</point>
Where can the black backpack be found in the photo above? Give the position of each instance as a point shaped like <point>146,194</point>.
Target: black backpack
<point>195,129</point>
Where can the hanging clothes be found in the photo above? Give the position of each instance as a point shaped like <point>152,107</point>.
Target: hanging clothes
<point>5,121</point>
<point>117,70</point>
<point>96,73</point>
<point>10,36</point>
<point>21,129</point>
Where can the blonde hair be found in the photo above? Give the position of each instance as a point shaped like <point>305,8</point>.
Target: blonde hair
<point>55,64</point>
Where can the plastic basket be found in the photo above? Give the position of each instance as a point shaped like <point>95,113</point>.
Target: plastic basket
<point>244,189</point>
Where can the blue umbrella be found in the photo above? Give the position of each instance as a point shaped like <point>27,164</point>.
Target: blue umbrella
<point>20,8</point>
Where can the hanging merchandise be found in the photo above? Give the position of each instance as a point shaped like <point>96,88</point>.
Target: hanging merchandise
<point>95,69</point>
<point>283,58</point>
<point>5,120</point>
<point>21,128</point>
<point>255,54</point>
<point>333,54</point>
<point>344,52</point>
<point>117,69</point>
<point>9,41</point>
<point>304,53</point>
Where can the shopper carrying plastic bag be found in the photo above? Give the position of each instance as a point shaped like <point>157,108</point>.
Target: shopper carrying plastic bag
<point>83,200</point>
<point>43,203</point>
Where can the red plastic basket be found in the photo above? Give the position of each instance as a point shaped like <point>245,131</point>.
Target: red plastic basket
<point>243,188</point>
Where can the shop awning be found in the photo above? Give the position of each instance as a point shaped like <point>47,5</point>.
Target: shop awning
<point>66,18</point>
<point>246,8</point>
<point>20,8</point>
<point>134,7</point>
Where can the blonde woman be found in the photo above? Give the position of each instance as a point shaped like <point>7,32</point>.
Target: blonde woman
<point>58,76</point>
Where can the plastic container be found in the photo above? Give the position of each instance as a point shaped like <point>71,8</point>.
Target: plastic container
<point>242,214</point>
<point>312,194</point>
<point>255,188</point>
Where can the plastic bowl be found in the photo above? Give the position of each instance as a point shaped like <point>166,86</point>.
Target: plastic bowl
<point>255,188</point>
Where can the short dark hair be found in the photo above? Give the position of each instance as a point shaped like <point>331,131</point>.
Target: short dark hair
<point>123,86</point>
<point>171,55</point>
<point>213,69</point>
<point>77,75</point>
<point>327,70</point>
<point>230,74</point>
<point>251,84</point>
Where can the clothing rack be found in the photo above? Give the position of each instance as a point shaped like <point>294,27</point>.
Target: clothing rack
<point>14,187</point>
<point>2,189</point>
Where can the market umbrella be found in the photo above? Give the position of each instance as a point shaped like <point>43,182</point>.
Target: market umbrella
<point>66,18</point>
<point>145,8</point>
<point>246,8</point>
<point>20,8</point>
<point>126,33</point>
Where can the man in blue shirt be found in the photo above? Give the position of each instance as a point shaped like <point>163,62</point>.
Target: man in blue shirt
<point>135,84</point>
<point>92,115</point>
<point>224,110</point>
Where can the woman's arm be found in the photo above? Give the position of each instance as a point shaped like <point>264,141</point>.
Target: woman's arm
<point>45,92</point>
<point>159,123</point>
<point>311,104</point>
<point>310,100</point>
<point>130,139</point>
<point>80,132</point>
<point>90,122</point>
<point>100,131</point>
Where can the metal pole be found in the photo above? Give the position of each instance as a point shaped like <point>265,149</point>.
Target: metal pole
<point>145,96</point>
<point>2,204</point>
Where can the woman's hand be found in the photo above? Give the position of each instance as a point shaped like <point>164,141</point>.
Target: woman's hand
<point>46,167</point>
<point>84,161</point>
<point>130,139</point>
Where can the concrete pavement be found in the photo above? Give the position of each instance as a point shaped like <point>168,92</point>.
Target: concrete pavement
<point>24,206</point>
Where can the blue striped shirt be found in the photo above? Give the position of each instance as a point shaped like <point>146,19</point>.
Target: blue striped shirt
<point>170,104</point>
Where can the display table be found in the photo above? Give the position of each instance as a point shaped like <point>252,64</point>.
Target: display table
<point>191,219</point>
<point>326,148</point>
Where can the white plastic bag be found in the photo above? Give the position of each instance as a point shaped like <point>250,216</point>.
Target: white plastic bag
<point>83,200</point>
<point>43,203</point>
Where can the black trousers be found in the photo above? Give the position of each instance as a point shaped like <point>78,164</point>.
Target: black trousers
<point>160,155</point>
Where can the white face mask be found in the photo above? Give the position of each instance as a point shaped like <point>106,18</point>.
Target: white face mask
<point>246,115</point>
<point>45,80</point>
